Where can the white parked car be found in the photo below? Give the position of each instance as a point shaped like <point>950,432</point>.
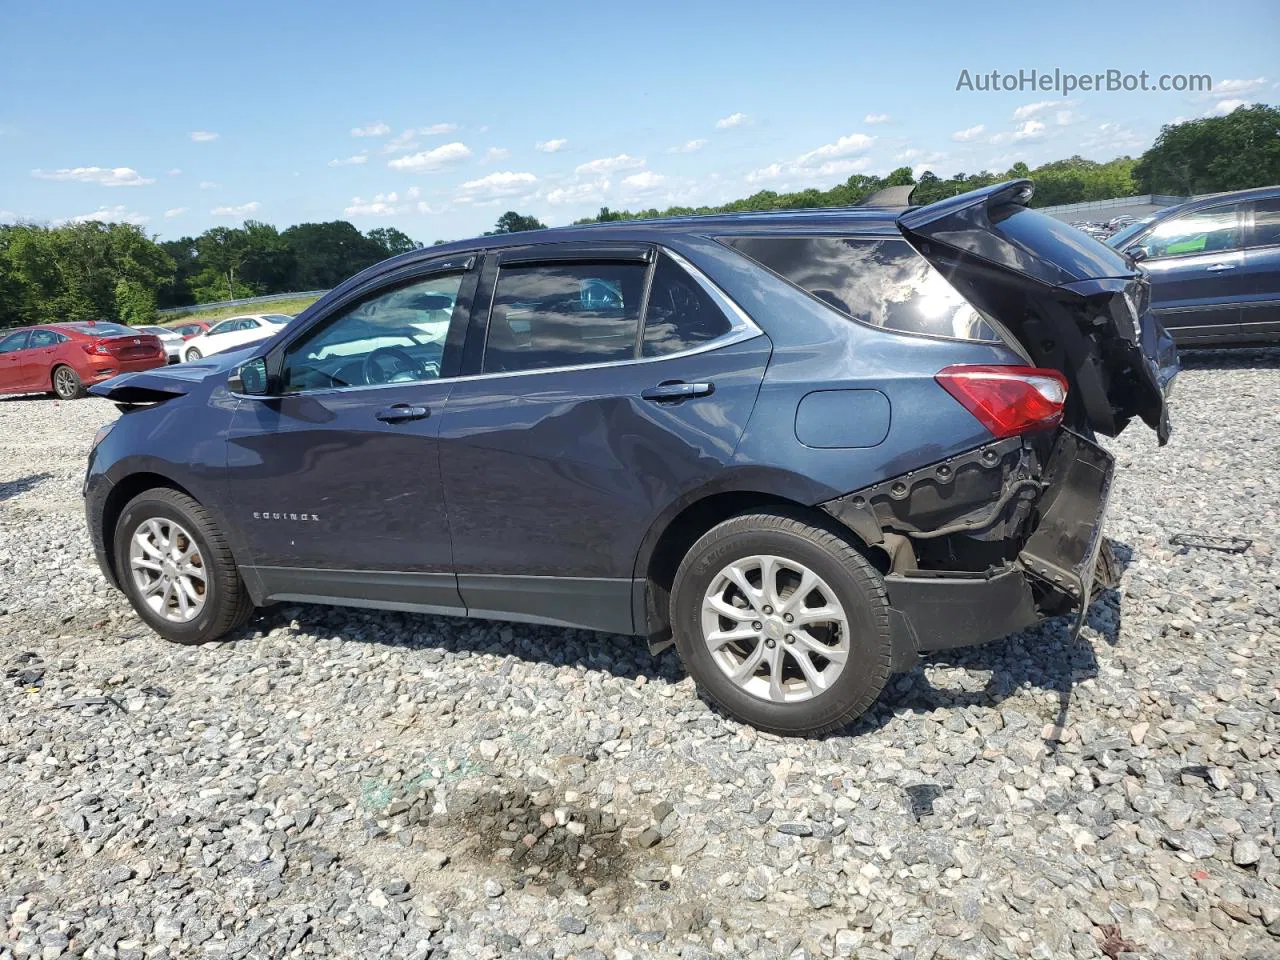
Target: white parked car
<point>171,339</point>
<point>234,332</point>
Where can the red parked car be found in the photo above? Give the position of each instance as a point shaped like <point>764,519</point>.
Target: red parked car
<point>64,358</point>
<point>188,328</point>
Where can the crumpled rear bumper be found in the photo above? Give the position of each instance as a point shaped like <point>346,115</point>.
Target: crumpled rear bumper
<point>1052,575</point>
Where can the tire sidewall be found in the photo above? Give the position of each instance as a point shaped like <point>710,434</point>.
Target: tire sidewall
<point>78,383</point>
<point>193,355</point>
<point>865,672</point>
<point>134,514</point>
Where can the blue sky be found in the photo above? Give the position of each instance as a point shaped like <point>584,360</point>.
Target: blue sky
<point>435,118</point>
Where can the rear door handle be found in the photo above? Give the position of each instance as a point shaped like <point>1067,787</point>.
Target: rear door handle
<point>673,391</point>
<point>1219,267</point>
<point>401,412</point>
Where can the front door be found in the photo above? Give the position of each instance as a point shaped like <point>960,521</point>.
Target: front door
<point>584,423</point>
<point>337,479</point>
<point>1198,281</point>
<point>13,367</point>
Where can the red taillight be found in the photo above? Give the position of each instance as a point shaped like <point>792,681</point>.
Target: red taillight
<point>1008,400</point>
<point>97,346</point>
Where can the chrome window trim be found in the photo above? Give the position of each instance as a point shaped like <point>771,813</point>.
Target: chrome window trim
<point>741,329</point>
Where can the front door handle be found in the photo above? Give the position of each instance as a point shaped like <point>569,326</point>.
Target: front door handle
<point>1219,267</point>
<point>401,412</point>
<point>673,391</point>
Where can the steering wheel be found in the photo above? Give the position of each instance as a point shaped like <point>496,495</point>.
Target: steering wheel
<point>386,364</point>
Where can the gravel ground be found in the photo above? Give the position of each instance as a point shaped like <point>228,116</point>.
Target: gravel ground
<point>344,783</point>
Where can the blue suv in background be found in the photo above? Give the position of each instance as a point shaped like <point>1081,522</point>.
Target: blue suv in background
<point>805,447</point>
<point>1214,266</point>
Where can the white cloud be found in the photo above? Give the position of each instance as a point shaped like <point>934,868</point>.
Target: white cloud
<point>1223,107</point>
<point>551,146</point>
<point>1030,130</point>
<point>732,120</point>
<point>1234,89</point>
<point>402,142</point>
<point>352,161</point>
<point>607,164</point>
<point>116,214</point>
<point>969,133</point>
<point>429,160</point>
<point>826,161</point>
<point>438,129</point>
<point>174,172</point>
<point>646,180</point>
<point>504,184</point>
<point>1064,118</point>
<point>371,130</point>
<point>237,211</point>
<point>175,211</point>
<point>495,153</point>
<point>103,176</point>
<point>591,191</point>
<point>203,136</point>
<point>689,146</point>
<point>424,207</point>
<point>382,205</point>
<point>1028,110</point>
<point>876,118</point>
<point>853,143</point>
<point>413,193</point>
<point>209,185</point>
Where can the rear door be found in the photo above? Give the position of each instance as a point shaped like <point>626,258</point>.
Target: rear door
<point>13,372</point>
<point>606,380</point>
<point>1260,311</point>
<point>1198,281</point>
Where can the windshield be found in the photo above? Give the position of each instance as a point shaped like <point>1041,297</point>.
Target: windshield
<point>1121,237</point>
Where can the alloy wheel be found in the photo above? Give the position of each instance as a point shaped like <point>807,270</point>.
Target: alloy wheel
<point>168,569</point>
<point>64,383</point>
<point>775,628</point>
<point>193,354</point>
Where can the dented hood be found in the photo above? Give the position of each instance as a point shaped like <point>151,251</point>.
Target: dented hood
<point>165,383</point>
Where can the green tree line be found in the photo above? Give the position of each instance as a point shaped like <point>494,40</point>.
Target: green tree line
<point>115,271</point>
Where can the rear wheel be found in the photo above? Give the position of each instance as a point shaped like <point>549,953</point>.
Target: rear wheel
<point>66,383</point>
<point>194,354</point>
<point>782,623</point>
<point>177,569</point>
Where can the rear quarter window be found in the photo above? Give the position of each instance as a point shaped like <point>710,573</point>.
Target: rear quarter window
<point>880,282</point>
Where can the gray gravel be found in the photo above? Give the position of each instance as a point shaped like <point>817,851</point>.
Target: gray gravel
<point>344,783</point>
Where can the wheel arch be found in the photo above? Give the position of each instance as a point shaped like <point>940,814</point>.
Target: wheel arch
<point>121,492</point>
<point>684,522</point>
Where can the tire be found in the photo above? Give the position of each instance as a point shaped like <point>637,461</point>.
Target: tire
<point>224,603</point>
<point>841,571</point>
<point>66,383</point>
<point>193,355</point>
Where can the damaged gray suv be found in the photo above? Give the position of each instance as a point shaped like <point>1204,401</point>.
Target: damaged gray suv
<point>804,446</point>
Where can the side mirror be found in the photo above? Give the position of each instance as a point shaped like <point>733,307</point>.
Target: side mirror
<point>1139,253</point>
<point>250,378</point>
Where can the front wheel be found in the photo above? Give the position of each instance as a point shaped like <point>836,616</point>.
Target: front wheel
<point>193,355</point>
<point>177,569</point>
<point>782,623</point>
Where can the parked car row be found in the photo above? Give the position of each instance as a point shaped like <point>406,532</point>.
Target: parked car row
<point>67,358</point>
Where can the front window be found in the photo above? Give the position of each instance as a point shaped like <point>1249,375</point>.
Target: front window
<point>396,337</point>
<point>563,314</point>
<point>14,342</point>
<point>1206,231</point>
<point>884,283</point>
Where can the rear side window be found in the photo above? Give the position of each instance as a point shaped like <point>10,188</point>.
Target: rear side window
<point>884,283</point>
<point>45,338</point>
<point>681,315</point>
<point>1266,223</point>
<point>563,314</point>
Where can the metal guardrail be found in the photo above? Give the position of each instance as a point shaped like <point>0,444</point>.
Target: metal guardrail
<point>246,302</point>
